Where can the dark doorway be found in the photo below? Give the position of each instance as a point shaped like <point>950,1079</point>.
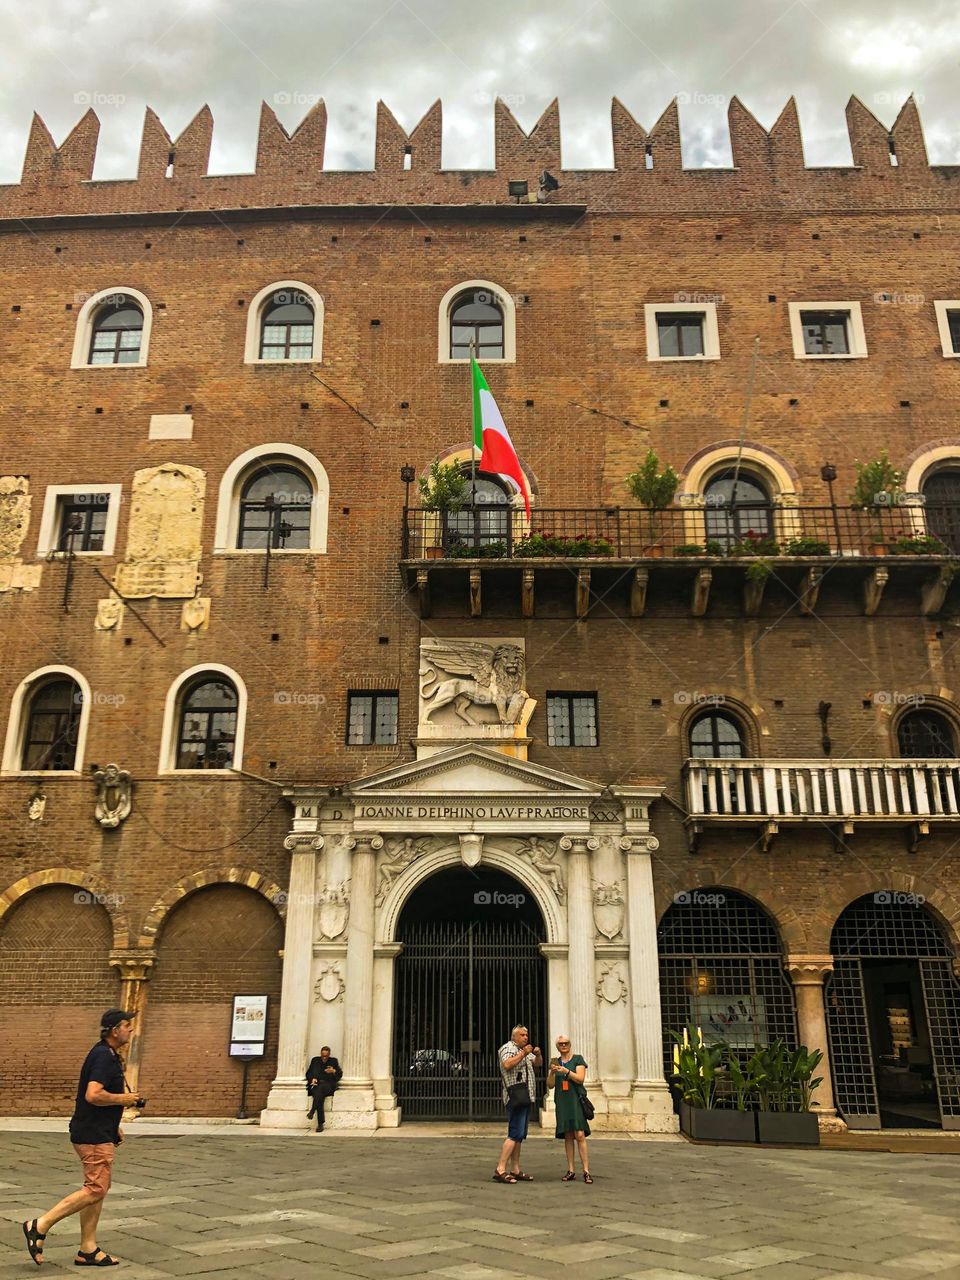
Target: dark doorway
<point>900,1041</point>
<point>470,970</point>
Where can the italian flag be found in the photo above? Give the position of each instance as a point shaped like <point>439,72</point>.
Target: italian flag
<point>491,437</point>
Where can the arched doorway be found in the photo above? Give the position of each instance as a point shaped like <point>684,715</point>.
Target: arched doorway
<point>721,969</point>
<point>471,968</point>
<point>486,515</point>
<point>55,982</point>
<point>941,496</point>
<point>221,941</point>
<point>893,1014</point>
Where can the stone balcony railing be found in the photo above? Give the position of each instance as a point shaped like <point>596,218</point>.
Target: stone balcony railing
<point>838,795</point>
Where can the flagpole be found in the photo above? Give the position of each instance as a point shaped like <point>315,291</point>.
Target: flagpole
<point>473,436</point>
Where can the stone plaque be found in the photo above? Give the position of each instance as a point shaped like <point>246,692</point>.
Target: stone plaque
<point>14,514</point>
<point>166,578</point>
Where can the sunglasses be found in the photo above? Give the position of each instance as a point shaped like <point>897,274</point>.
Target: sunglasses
<point>564,1042</point>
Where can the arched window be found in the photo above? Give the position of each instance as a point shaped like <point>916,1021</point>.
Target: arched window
<point>284,324</point>
<point>275,509</point>
<point>485,517</point>
<point>926,734</point>
<point>737,508</point>
<point>116,332</point>
<point>476,317</point>
<point>286,328</point>
<point>52,725</point>
<point>714,735</point>
<point>941,495</point>
<point>207,724</point>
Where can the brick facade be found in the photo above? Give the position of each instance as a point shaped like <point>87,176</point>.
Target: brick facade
<point>583,404</point>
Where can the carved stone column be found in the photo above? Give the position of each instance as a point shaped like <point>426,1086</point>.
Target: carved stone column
<point>287,1103</point>
<point>650,1093</point>
<point>582,954</point>
<point>355,1104</point>
<point>134,967</point>
<point>385,1098</point>
<point>807,973</point>
<point>557,955</point>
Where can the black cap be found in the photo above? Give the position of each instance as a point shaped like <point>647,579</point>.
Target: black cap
<point>113,1017</point>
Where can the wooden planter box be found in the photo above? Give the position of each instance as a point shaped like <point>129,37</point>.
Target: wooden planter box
<point>717,1125</point>
<point>800,1128</point>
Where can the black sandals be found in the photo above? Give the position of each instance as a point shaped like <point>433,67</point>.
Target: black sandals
<point>503,1177</point>
<point>587,1178</point>
<point>34,1239</point>
<point>569,1175</point>
<point>91,1260</point>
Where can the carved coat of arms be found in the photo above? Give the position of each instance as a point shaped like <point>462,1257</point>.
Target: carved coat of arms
<point>608,909</point>
<point>467,674</point>
<point>334,910</point>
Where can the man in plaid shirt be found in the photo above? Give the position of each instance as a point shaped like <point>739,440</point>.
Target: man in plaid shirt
<point>519,1062</point>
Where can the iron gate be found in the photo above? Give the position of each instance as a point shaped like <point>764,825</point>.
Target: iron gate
<point>873,928</point>
<point>459,989</point>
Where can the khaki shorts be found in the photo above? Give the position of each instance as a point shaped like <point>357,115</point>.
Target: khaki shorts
<point>97,1161</point>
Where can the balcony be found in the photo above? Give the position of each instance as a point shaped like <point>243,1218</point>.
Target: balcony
<point>605,550</point>
<point>840,795</point>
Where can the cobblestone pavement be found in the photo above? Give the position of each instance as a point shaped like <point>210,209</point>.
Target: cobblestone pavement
<point>242,1203</point>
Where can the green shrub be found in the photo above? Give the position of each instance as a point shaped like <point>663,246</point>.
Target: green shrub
<point>806,547</point>
<point>924,544</point>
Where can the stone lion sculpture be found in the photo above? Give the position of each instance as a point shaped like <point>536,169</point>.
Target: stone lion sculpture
<point>467,673</point>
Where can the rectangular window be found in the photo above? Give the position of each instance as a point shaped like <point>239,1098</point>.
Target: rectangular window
<point>680,334</point>
<point>953,327</point>
<point>372,719</point>
<point>571,719</point>
<point>826,333</point>
<point>82,521</point>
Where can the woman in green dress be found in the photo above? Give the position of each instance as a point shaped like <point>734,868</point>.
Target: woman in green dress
<point>566,1076</point>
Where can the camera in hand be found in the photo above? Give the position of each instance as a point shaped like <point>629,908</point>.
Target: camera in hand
<point>141,1103</point>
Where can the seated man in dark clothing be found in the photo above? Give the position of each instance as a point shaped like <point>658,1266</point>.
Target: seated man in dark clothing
<point>323,1076</point>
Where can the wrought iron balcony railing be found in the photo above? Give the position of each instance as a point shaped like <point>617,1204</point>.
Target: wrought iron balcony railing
<point>779,530</point>
<point>837,794</point>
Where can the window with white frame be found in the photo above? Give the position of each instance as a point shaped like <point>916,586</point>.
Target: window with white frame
<point>679,331</point>
<point>948,322</point>
<point>478,313</point>
<point>79,520</point>
<point>827,330</point>
<point>274,494</point>
<point>48,721</point>
<point>571,719</point>
<point>284,324</point>
<point>203,720</point>
<point>113,329</point>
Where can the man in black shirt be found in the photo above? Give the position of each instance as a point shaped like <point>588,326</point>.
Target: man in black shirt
<point>95,1133</point>
<point>323,1076</point>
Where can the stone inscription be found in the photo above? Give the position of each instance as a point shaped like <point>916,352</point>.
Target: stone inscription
<point>469,812</point>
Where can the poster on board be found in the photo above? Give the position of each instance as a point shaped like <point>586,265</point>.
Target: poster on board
<point>248,1027</point>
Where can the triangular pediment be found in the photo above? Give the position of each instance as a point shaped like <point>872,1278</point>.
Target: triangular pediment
<point>469,770</point>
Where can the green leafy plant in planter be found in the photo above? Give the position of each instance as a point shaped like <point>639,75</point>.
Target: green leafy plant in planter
<point>806,547</point>
<point>701,1077</point>
<point>758,571</point>
<point>538,544</point>
<point>654,489</point>
<point>755,544</point>
<point>879,487</point>
<point>443,489</point>
<point>785,1084</point>
<point>486,551</point>
<point>712,548</point>
<point>923,544</point>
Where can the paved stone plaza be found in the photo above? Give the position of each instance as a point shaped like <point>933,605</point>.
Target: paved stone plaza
<point>245,1203</point>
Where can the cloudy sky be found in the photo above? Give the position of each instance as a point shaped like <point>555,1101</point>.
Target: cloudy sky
<point>119,55</point>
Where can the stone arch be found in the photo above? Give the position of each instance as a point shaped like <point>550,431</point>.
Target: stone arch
<point>503,299</point>
<point>448,855</point>
<point>943,906</point>
<point>172,709</point>
<point>258,304</point>
<point>17,721</point>
<point>783,477</point>
<point>244,876</point>
<point>921,464</point>
<point>228,497</point>
<point>80,359</point>
<point>462,455</point>
<point>750,715</point>
<point>786,922</point>
<point>82,880</point>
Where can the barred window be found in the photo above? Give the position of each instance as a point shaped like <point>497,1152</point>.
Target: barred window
<point>926,735</point>
<point>53,723</point>
<point>372,718</point>
<point>82,521</point>
<point>208,724</point>
<point>715,736</point>
<point>571,719</point>
<point>275,508</point>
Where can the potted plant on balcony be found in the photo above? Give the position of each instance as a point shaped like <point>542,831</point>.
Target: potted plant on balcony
<point>713,547</point>
<point>919,544</point>
<point>655,490</point>
<point>698,1068</point>
<point>785,1085</point>
<point>879,487</point>
<point>443,490</point>
<point>806,547</point>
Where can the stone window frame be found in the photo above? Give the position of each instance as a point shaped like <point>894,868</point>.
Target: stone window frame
<point>856,335</point>
<point>231,484</point>
<point>258,304</point>
<point>711,329</point>
<point>943,325</point>
<point>375,694</point>
<point>80,359</point>
<point>49,522</point>
<point>17,724</point>
<point>507,305</point>
<point>170,731</point>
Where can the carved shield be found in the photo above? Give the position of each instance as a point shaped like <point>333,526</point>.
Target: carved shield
<point>333,918</point>
<point>330,985</point>
<point>609,918</point>
<point>611,987</point>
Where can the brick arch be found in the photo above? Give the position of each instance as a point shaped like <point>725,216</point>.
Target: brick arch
<point>790,930</point>
<point>749,714</point>
<point>243,876</point>
<point>80,880</point>
<point>943,906</point>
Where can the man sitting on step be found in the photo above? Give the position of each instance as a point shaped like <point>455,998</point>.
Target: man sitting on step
<point>323,1076</point>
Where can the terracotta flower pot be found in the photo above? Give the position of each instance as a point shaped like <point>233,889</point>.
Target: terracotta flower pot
<point>654,551</point>
<point>435,553</point>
